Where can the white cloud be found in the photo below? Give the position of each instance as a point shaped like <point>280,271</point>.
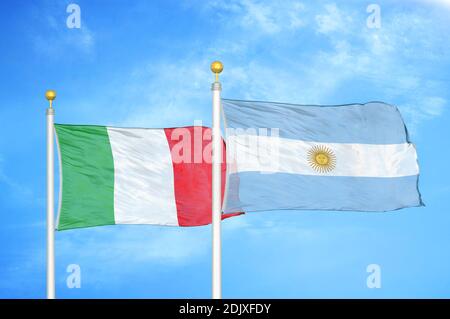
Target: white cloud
<point>266,17</point>
<point>434,105</point>
<point>333,20</point>
<point>274,17</point>
<point>444,3</point>
<point>165,93</point>
<point>392,59</point>
<point>423,108</point>
<point>58,39</point>
<point>389,61</point>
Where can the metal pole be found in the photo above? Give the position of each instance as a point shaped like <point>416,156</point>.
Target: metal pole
<point>216,67</point>
<point>50,96</point>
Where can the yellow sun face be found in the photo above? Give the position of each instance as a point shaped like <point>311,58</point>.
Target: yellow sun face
<point>321,159</point>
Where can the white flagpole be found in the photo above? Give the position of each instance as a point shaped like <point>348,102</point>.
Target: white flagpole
<point>216,68</point>
<point>50,95</point>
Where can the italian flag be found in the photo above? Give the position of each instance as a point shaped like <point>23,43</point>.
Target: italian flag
<point>114,175</point>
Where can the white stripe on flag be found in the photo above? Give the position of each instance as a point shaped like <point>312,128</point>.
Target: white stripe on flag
<point>281,155</point>
<point>144,181</point>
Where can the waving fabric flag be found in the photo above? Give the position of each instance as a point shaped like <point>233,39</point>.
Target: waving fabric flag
<point>134,176</point>
<point>351,157</point>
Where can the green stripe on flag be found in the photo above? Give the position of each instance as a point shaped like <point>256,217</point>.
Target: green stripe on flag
<point>87,176</point>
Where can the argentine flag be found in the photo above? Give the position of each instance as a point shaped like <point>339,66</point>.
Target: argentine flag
<point>354,157</point>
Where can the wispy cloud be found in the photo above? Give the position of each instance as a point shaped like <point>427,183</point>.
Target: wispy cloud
<point>332,20</point>
<point>167,93</point>
<point>20,192</point>
<point>59,42</point>
<point>443,3</point>
<point>53,37</point>
<point>391,62</point>
<point>260,16</point>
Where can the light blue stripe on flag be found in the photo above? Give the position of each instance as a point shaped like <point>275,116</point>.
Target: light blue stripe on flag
<point>354,157</point>
<point>292,191</point>
<point>370,123</point>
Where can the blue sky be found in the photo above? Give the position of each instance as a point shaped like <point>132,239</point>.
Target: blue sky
<point>146,63</point>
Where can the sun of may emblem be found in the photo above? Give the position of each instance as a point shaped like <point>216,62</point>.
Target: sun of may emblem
<point>321,159</point>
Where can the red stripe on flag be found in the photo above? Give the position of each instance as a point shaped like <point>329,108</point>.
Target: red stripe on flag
<point>190,148</point>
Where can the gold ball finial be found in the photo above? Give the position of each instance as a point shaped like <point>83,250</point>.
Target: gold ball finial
<point>50,95</point>
<point>216,68</point>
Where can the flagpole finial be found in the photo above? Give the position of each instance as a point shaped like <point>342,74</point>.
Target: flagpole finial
<point>216,68</point>
<point>50,95</point>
